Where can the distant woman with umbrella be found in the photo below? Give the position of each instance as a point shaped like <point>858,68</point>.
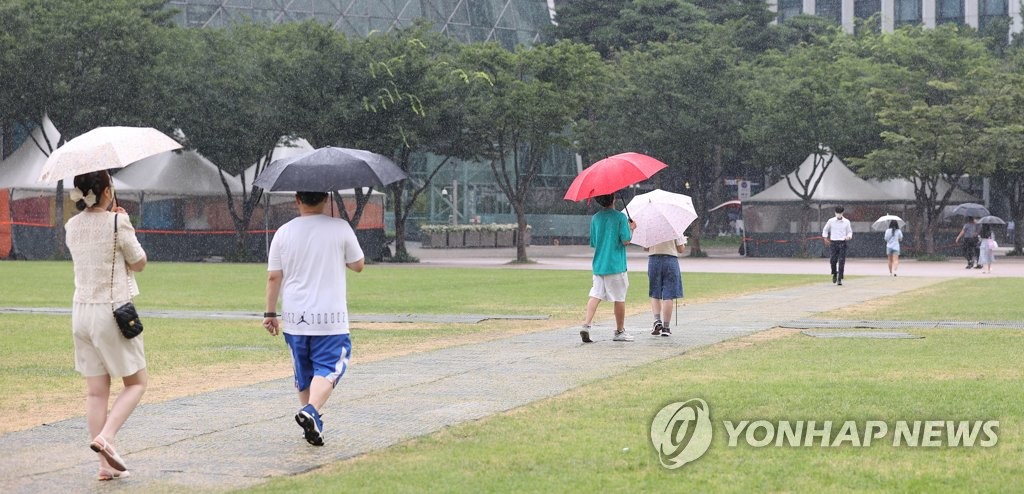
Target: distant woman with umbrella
<point>987,245</point>
<point>893,236</point>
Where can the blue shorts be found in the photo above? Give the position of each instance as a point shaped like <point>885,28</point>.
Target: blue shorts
<point>663,276</point>
<point>325,356</point>
<point>889,251</point>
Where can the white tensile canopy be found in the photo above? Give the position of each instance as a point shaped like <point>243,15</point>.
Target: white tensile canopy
<point>838,185</point>
<point>177,174</point>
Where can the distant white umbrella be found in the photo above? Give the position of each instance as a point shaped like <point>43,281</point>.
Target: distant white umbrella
<point>660,216</point>
<point>991,220</point>
<point>104,148</point>
<point>883,223</point>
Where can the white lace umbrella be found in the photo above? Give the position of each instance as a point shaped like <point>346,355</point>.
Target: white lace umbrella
<point>104,148</point>
<point>660,216</point>
<point>883,223</point>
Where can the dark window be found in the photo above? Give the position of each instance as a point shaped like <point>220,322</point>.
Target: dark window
<point>990,10</point>
<point>790,8</point>
<point>949,11</point>
<point>829,9</point>
<point>908,12</point>
<point>863,9</point>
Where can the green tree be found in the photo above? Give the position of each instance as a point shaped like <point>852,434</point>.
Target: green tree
<point>410,96</point>
<point>590,22</point>
<point>934,115</point>
<point>811,100</point>
<point>1002,141</point>
<point>83,63</point>
<point>537,96</point>
<point>219,94</point>
<point>677,102</point>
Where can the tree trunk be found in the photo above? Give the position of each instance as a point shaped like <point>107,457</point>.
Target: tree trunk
<point>1017,215</point>
<point>520,232</point>
<point>60,247</point>
<point>401,252</point>
<point>929,235</point>
<point>804,227</point>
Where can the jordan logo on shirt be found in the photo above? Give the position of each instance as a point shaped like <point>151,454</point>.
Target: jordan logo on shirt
<point>315,318</point>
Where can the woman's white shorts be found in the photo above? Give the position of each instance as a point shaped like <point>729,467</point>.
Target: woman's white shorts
<point>100,348</point>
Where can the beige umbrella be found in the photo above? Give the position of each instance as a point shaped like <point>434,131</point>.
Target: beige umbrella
<point>104,148</point>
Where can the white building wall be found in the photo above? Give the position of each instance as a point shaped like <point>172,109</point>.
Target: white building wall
<point>1016,24</point>
<point>888,16</point>
<point>971,13</point>
<point>928,14</point>
<point>847,16</point>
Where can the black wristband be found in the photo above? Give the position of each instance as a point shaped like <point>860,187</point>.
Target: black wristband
<point>270,314</point>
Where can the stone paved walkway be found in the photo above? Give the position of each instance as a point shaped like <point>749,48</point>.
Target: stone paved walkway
<point>243,436</point>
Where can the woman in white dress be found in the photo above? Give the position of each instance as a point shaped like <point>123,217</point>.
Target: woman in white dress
<point>104,279</point>
<point>987,248</point>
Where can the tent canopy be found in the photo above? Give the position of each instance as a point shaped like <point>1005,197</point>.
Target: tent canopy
<point>177,173</point>
<point>903,190</point>
<point>838,185</point>
<point>286,148</point>
<point>22,168</point>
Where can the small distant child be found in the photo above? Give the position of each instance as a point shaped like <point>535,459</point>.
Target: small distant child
<point>665,282</point>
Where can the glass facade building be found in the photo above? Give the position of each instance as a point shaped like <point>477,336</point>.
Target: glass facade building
<point>509,22</point>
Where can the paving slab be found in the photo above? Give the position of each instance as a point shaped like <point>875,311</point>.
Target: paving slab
<point>243,436</point>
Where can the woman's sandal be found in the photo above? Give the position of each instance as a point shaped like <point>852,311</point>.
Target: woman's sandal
<point>101,446</point>
<point>105,474</point>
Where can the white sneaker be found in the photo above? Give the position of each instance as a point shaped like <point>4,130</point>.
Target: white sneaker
<point>622,336</point>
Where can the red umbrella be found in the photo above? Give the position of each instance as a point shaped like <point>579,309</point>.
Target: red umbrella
<point>611,174</point>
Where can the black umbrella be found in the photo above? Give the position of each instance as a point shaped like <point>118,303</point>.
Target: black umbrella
<point>328,169</point>
<point>970,209</point>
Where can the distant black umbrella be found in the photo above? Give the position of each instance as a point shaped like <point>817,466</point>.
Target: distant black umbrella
<point>970,209</point>
<point>328,169</point>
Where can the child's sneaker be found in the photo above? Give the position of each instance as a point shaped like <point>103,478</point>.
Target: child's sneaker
<point>312,427</point>
<point>622,336</point>
<point>658,326</point>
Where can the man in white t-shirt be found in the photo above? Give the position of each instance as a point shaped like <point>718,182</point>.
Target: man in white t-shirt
<point>837,232</point>
<point>306,269</point>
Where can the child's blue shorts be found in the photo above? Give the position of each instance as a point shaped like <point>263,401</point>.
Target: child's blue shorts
<point>666,283</point>
<point>322,355</point>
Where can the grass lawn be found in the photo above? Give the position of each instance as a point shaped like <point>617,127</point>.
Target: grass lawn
<point>596,438</point>
<point>188,356</point>
<point>576,442</point>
